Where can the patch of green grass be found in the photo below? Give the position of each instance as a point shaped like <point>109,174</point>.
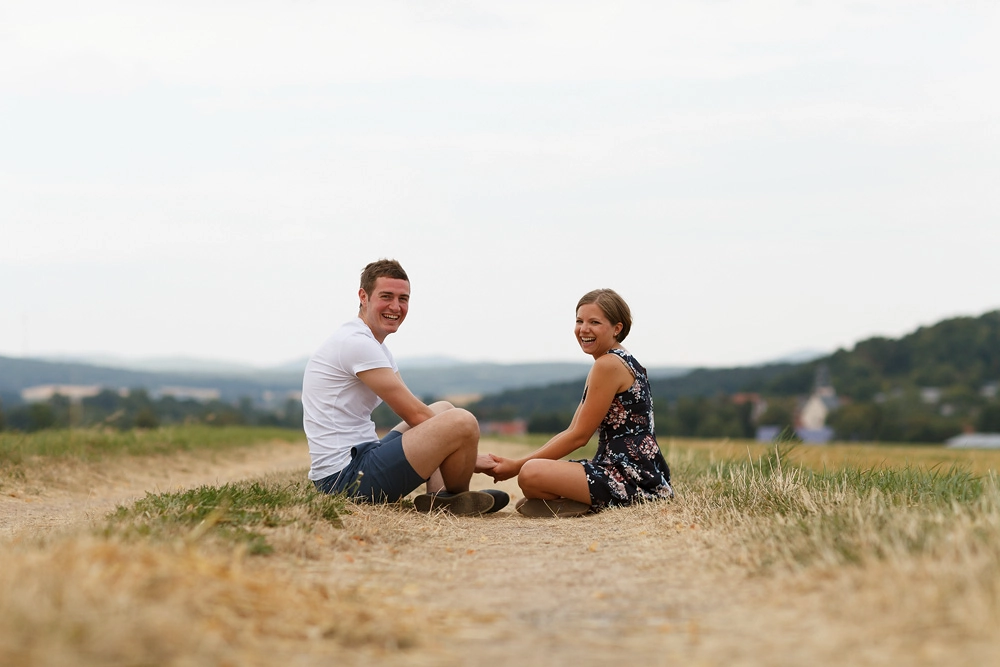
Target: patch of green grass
<point>236,512</point>
<point>775,484</point>
<point>794,516</point>
<point>907,486</point>
<point>97,444</point>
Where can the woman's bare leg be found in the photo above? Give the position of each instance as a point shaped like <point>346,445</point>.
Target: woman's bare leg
<point>547,479</point>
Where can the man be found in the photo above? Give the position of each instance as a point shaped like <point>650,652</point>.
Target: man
<point>348,377</point>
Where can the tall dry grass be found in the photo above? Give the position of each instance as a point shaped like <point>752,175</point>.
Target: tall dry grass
<point>177,578</point>
<point>91,601</point>
<point>923,540</point>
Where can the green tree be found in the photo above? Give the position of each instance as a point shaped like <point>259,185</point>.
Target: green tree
<point>929,428</point>
<point>62,411</point>
<point>549,422</point>
<point>989,419</point>
<point>690,412</point>
<point>218,413</point>
<point>247,411</point>
<point>40,416</point>
<point>857,421</point>
<point>779,412</point>
<point>291,415</point>
<point>384,417</point>
<point>146,418</point>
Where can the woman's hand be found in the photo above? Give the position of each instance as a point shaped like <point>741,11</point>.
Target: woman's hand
<point>504,468</point>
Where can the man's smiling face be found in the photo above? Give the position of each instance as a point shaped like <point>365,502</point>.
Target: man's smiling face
<point>386,308</point>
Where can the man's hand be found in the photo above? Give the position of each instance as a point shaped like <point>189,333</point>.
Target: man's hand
<point>485,464</point>
<point>504,468</point>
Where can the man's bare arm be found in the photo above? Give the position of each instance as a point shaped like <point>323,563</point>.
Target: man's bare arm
<point>391,389</point>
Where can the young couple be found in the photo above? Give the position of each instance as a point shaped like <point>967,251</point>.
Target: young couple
<point>437,444</point>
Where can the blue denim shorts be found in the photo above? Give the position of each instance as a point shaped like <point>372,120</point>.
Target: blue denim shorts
<point>378,472</point>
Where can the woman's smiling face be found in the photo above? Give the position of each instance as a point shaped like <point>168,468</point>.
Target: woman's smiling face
<point>594,332</point>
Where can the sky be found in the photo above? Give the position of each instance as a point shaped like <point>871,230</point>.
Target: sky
<point>207,179</point>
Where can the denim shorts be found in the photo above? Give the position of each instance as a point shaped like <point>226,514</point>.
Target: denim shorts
<point>378,472</point>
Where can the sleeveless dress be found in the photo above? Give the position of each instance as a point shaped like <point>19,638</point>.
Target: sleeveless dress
<point>629,465</point>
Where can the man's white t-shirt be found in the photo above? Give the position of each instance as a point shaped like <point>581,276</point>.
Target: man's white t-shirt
<point>337,406</point>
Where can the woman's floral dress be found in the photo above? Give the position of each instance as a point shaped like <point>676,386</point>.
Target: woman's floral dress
<point>629,465</point>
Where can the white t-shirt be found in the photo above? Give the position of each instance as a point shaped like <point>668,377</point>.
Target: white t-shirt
<point>337,406</point>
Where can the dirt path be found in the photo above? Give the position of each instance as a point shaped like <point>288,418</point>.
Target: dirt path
<point>644,585</point>
<point>65,495</point>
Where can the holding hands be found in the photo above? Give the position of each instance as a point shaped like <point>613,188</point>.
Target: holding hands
<point>497,467</point>
<point>485,464</point>
<point>504,468</point>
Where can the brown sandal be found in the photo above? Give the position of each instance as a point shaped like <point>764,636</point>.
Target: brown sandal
<point>558,507</point>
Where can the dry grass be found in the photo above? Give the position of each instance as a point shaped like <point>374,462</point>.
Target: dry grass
<point>759,561</point>
<point>98,602</point>
<point>855,455</point>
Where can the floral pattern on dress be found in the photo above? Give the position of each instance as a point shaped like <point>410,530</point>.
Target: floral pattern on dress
<point>628,465</point>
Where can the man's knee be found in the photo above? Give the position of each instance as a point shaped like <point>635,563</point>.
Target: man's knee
<point>462,424</point>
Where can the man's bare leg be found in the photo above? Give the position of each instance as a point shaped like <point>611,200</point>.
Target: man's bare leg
<point>435,483</point>
<point>446,444</point>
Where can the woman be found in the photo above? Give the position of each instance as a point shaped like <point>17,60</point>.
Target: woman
<point>629,465</point>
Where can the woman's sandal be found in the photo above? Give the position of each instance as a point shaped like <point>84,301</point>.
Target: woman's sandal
<point>559,507</point>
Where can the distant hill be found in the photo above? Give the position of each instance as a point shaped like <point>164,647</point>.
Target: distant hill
<point>484,378</point>
<point>565,396</point>
<point>176,365</point>
<point>923,387</point>
<point>18,374</point>
<point>961,353</point>
<point>439,378</point>
<point>959,358</point>
<point>796,357</point>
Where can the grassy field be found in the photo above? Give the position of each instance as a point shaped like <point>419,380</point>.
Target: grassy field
<point>769,555</point>
<point>94,444</point>
<point>817,457</point>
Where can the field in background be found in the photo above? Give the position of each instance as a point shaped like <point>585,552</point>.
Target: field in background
<point>833,456</point>
<point>94,444</point>
<point>853,455</point>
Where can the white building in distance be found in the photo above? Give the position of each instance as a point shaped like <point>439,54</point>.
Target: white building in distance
<point>74,392</point>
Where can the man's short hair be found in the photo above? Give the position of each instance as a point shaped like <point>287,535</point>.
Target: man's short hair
<point>383,268</point>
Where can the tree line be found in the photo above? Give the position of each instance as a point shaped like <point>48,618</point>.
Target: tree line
<point>924,387</point>
<point>927,386</point>
<point>137,409</point>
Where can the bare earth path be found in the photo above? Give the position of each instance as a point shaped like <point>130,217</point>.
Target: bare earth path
<point>67,495</point>
<point>645,585</point>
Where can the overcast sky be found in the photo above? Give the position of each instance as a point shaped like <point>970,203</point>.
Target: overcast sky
<point>207,179</point>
